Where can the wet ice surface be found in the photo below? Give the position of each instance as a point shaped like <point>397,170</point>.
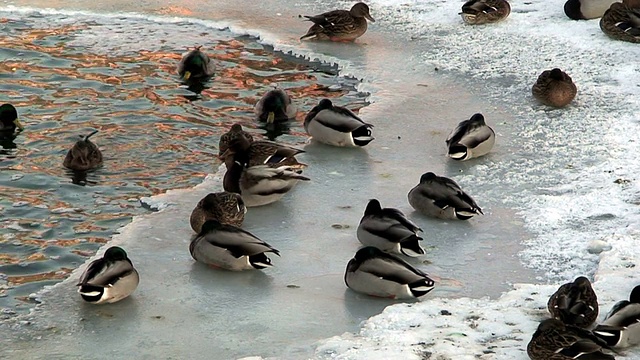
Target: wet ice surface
<point>552,182</point>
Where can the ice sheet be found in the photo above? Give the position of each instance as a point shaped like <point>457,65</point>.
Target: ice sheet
<point>556,181</point>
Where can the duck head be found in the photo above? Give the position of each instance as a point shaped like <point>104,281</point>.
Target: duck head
<point>361,10</point>
<point>9,118</point>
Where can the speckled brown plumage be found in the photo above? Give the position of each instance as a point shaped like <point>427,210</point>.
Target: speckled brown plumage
<point>235,132</point>
<point>478,12</point>
<point>340,25</point>
<point>265,153</point>
<point>622,21</point>
<point>84,155</point>
<point>554,88</point>
<point>224,207</point>
<point>554,340</point>
<point>575,303</point>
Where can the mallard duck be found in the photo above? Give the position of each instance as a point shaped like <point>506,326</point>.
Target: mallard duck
<point>554,88</point>
<point>443,198</point>
<point>84,155</point>
<point>195,65</point>
<point>275,107</point>
<point>586,9</point>
<point>478,12</point>
<point>621,326</point>
<point>622,21</point>
<point>108,279</point>
<point>234,133</point>
<point>340,25</point>
<point>471,138</point>
<point>337,125</point>
<point>554,340</point>
<point>389,230</point>
<point>225,207</point>
<point>229,247</point>
<point>265,153</point>
<point>259,185</point>
<point>9,120</point>
<point>575,303</point>
<point>376,273</point>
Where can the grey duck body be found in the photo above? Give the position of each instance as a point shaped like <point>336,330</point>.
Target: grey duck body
<point>379,274</point>
<point>442,198</point>
<point>229,247</point>
<point>109,279</point>
<point>389,230</point>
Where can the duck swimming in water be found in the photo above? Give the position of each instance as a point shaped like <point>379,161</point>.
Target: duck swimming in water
<point>84,155</point>
<point>195,65</point>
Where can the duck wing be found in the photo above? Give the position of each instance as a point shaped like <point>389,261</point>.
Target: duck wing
<point>237,241</point>
<point>104,273</point>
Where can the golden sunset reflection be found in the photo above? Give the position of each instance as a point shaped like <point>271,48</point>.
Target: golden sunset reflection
<point>155,134</point>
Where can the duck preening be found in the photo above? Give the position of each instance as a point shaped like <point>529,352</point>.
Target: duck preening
<point>224,207</point>
<point>109,279</point>
<point>339,25</point>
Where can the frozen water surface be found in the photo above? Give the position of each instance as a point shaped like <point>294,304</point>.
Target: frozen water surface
<point>556,181</point>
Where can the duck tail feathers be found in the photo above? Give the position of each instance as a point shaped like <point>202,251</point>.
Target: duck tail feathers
<point>421,287</point>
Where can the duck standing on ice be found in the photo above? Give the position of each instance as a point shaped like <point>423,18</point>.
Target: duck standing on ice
<point>340,25</point>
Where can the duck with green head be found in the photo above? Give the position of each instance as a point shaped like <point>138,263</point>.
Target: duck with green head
<point>109,279</point>
<point>275,107</point>
<point>9,122</point>
<point>340,25</point>
<point>84,155</point>
<point>195,65</point>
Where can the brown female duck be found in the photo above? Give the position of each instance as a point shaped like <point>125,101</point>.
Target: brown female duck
<point>554,340</point>
<point>340,25</point>
<point>575,303</point>
<point>84,155</point>
<point>235,132</point>
<point>224,207</point>
<point>622,21</point>
<point>554,88</point>
<point>478,12</point>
